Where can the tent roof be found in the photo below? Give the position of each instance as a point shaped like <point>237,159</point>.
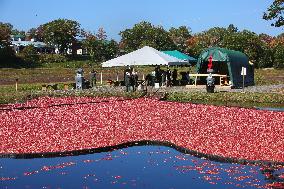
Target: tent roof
<point>144,56</point>
<point>180,55</point>
<point>221,54</point>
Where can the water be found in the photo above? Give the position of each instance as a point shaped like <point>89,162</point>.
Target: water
<point>136,167</point>
<point>271,109</point>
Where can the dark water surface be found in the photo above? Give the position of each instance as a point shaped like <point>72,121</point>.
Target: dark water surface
<point>149,167</point>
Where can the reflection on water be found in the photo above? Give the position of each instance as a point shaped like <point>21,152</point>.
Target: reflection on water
<point>134,167</point>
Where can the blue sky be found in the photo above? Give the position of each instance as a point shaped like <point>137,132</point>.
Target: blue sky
<point>115,16</point>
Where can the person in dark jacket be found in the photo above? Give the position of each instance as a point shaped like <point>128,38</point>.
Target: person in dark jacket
<point>169,79</point>
<point>127,79</point>
<point>174,76</point>
<point>93,78</point>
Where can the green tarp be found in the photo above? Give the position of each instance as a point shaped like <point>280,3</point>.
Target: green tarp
<point>180,55</point>
<point>227,62</point>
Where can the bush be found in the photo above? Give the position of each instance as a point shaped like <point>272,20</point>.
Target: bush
<point>29,55</point>
<point>266,59</point>
<point>279,57</point>
<point>52,58</point>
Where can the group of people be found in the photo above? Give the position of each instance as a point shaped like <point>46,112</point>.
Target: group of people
<point>167,77</point>
<point>163,77</point>
<point>130,79</point>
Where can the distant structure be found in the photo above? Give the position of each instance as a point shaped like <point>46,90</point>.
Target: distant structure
<point>18,43</point>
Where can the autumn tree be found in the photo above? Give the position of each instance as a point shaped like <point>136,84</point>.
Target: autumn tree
<point>213,37</point>
<point>101,34</point>
<point>35,33</point>
<point>275,13</point>
<point>61,33</point>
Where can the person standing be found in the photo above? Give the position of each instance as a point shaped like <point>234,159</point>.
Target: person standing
<point>135,80</point>
<point>127,79</point>
<point>174,76</point>
<point>169,73</point>
<point>187,78</point>
<point>93,78</point>
<point>153,78</point>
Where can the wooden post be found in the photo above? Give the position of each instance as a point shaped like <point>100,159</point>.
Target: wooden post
<point>16,84</point>
<point>116,76</point>
<point>101,78</point>
<point>243,83</point>
<point>195,82</point>
<point>65,86</point>
<point>244,73</point>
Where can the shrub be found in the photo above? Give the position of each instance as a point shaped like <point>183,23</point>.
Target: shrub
<point>29,55</point>
<point>279,57</point>
<point>52,58</point>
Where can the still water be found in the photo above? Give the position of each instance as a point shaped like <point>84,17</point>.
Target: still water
<point>134,167</point>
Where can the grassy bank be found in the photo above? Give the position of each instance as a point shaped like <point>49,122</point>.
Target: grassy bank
<point>28,91</point>
<point>231,99</point>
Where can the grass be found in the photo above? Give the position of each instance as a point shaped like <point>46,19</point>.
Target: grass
<point>230,99</point>
<point>29,91</point>
<point>269,76</point>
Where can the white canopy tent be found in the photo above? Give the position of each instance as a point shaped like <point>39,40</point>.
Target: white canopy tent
<point>144,56</point>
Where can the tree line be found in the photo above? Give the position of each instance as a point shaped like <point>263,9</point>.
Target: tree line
<point>263,50</point>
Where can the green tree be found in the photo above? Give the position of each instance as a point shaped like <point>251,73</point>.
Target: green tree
<point>257,48</point>
<point>89,42</point>
<point>29,54</point>
<point>111,49</point>
<point>6,52</point>
<point>279,57</point>
<point>20,33</point>
<point>99,48</point>
<point>249,43</point>
<point>278,46</point>
<point>275,13</point>
<point>232,29</point>
<point>5,32</point>
<point>144,33</point>
<point>180,36</point>
<point>61,33</point>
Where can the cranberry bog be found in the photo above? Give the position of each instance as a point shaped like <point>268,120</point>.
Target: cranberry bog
<point>132,143</point>
<point>55,125</point>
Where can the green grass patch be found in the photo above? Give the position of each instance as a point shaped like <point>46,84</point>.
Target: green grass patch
<point>230,98</point>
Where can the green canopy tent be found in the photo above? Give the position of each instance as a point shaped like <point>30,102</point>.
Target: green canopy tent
<point>182,56</point>
<point>227,62</point>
